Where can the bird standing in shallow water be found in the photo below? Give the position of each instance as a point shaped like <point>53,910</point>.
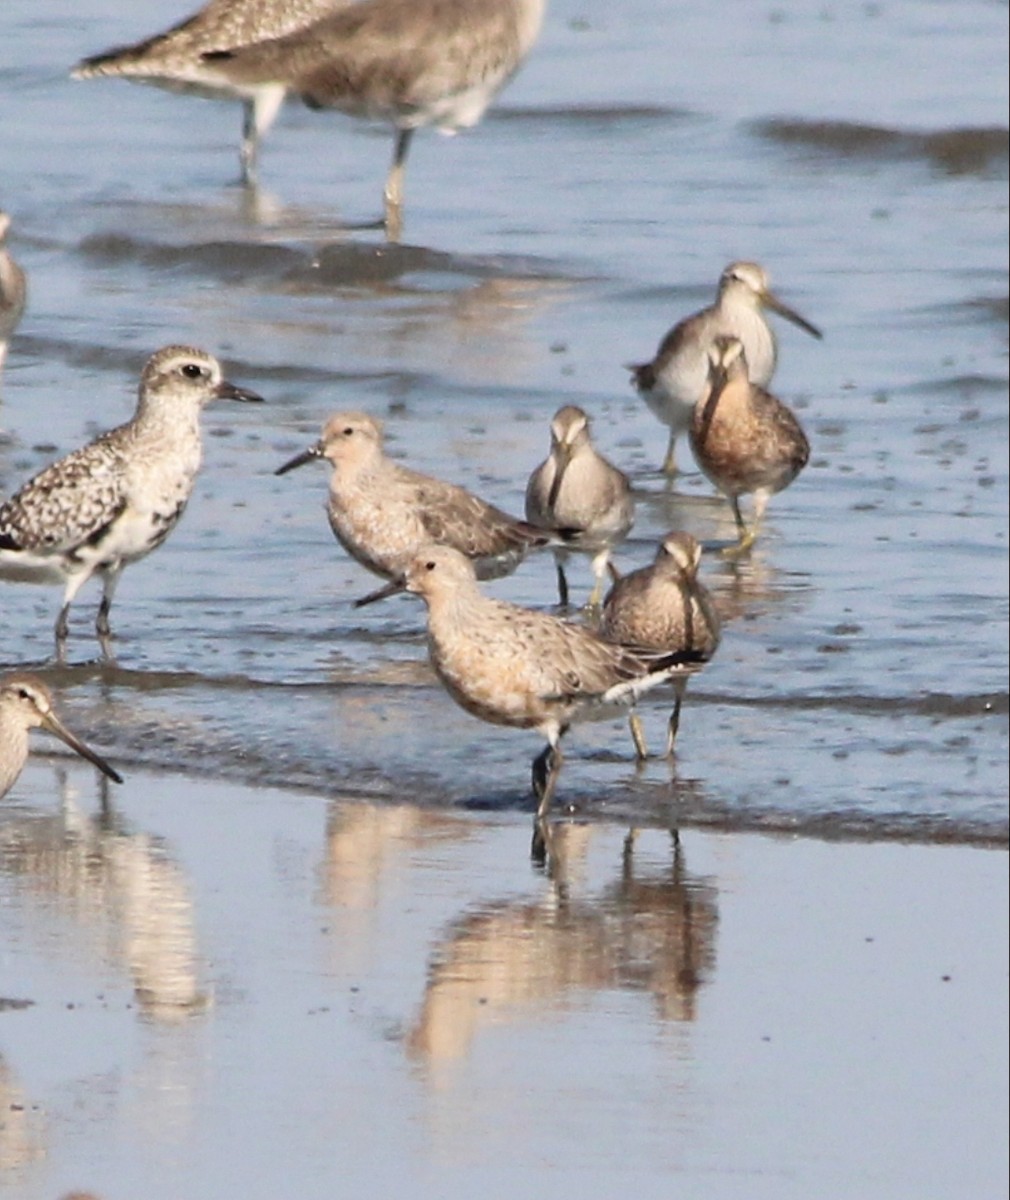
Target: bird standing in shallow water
<point>13,290</point>
<point>409,62</point>
<point>382,513</point>
<point>664,606</point>
<point>675,380</point>
<point>172,60</point>
<point>115,500</point>
<point>524,668</point>
<point>576,489</point>
<point>26,704</point>
<point>745,439</point>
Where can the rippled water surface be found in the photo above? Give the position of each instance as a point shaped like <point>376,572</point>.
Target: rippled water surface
<point>859,152</point>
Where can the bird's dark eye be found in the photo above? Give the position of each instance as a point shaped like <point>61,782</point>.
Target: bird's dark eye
<point>192,370</point>
<point>429,565</point>
<point>348,430</point>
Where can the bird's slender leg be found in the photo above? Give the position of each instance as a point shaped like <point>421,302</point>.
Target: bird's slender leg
<point>393,194</point>
<point>110,578</point>
<point>258,113</point>
<point>562,581</point>
<point>599,569</point>
<point>679,685</point>
<point>546,769</point>
<point>670,462</point>
<point>61,630</point>
<point>747,536</point>
<point>638,735</point>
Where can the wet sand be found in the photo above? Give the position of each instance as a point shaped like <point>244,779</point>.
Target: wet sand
<point>217,991</point>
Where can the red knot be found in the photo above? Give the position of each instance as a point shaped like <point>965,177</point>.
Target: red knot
<point>664,606</point>
<point>675,380</point>
<point>116,499</point>
<point>172,59</point>
<point>576,489</point>
<point>411,63</point>
<point>524,668</point>
<point>382,512</point>
<point>745,439</point>
<point>25,704</point>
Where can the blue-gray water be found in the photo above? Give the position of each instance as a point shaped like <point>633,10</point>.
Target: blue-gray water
<point>859,152</point>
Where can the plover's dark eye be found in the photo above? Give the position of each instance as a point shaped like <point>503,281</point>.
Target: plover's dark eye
<point>192,370</point>
<point>429,565</point>
<point>348,430</point>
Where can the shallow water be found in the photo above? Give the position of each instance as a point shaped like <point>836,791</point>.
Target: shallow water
<point>860,153</point>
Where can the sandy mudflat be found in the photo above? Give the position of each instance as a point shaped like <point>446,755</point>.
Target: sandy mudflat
<point>254,993</point>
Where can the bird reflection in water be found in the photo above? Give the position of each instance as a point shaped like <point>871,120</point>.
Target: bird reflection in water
<point>130,902</point>
<point>650,931</point>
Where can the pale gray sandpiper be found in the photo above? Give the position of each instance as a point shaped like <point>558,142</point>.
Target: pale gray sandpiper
<point>745,440</point>
<point>411,63</point>
<point>675,380</point>
<point>664,606</point>
<point>524,668</point>
<point>382,512</point>
<point>25,704</point>
<point>13,290</point>
<point>172,60</point>
<point>576,489</point>
<point>116,499</point>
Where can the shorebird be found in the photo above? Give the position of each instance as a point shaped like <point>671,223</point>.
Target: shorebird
<point>745,439</point>
<point>25,704</point>
<point>13,290</point>
<point>675,380</point>
<point>172,59</point>
<point>382,513</point>
<point>116,499</point>
<point>664,606</point>
<point>524,668</point>
<point>577,489</point>
<point>411,63</point>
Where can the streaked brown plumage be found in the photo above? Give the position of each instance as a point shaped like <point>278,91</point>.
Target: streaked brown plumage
<point>745,439</point>
<point>664,606</point>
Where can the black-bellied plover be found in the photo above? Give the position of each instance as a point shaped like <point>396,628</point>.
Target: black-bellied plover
<point>382,512</point>
<point>171,60</point>
<point>525,668</point>
<point>13,290</point>
<point>675,380</point>
<point>745,440</point>
<point>117,498</point>
<point>576,489</point>
<point>409,62</point>
<point>25,704</point>
<point>664,606</point>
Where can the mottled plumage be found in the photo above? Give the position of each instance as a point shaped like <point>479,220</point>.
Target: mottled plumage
<point>524,668</point>
<point>675,380</point>
<point>409,62</point>
<point>116,499</point>
<point>578,490</point>
<point>172,60</point>
<point>382,513</point>
<point>745,439</point>
<point>664,606</point>
<point>26,704</point>
<point>13,290</point>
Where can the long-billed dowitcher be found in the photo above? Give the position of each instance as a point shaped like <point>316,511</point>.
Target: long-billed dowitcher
<point>675,380</point>
<point>382,512</point>
<point>13,290</point>
<point>409,62</point>
<point>745,439</point>
<point>116,499</point>
<point>172,59</point>
<point>524,668</point>
<point>577,489</point>
<point>664,606</point>
<point>26,704</point>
